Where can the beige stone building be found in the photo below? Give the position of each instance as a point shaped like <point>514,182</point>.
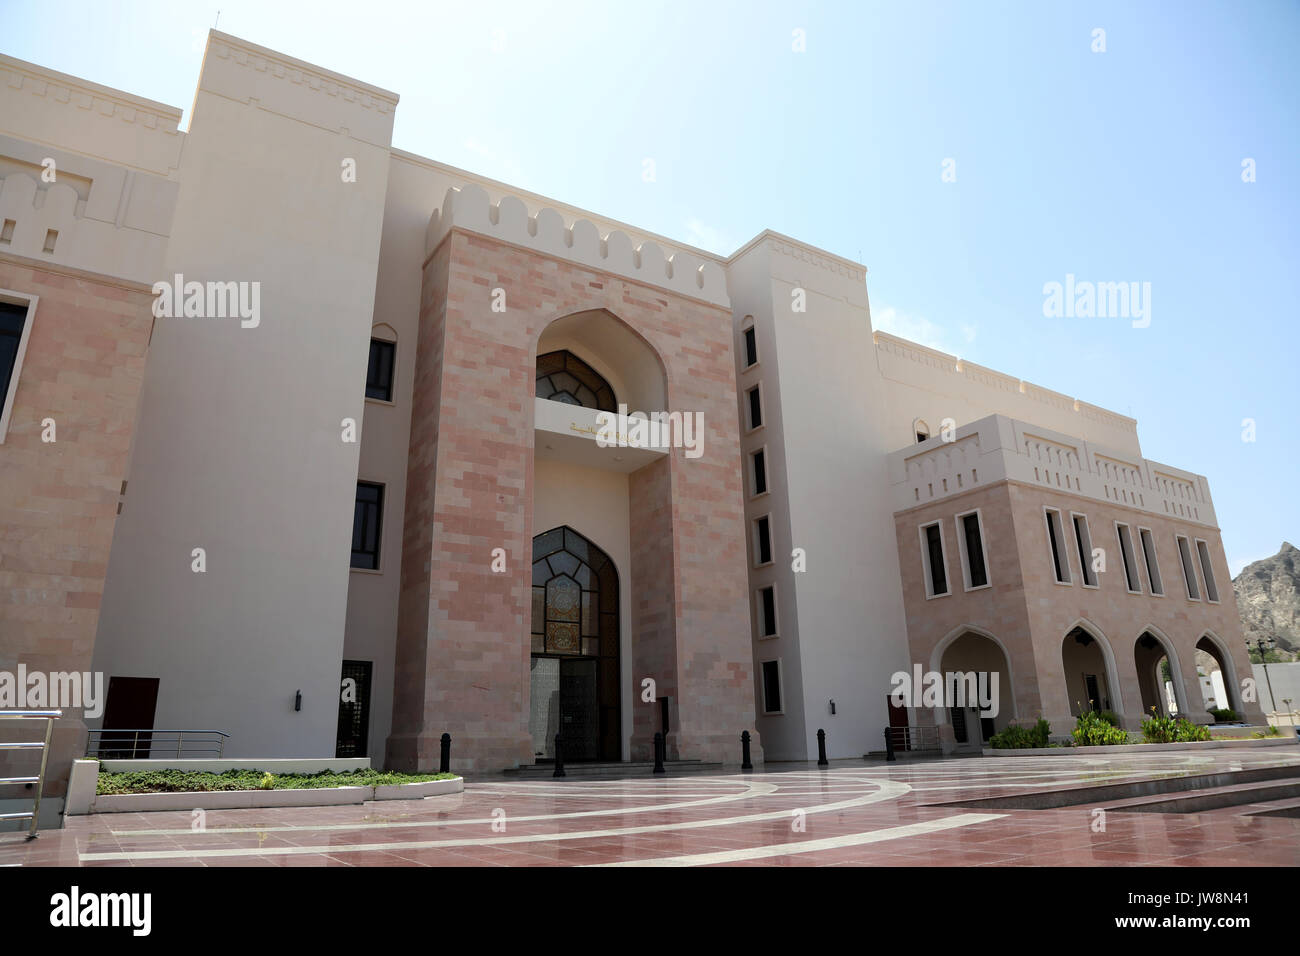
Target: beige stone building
<point>338,409</point>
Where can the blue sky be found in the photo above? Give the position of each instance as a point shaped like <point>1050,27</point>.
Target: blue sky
<point>1117,166</point>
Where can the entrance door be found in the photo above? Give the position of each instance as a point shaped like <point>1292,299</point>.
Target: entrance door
<point>579,709</point>
<point>352,738</point>
<point>897,724</point>
<point>130,708</point>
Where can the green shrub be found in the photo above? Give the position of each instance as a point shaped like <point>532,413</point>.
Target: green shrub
<point>1016,737</point>
<point>182,781</point>
<point>1098,729</point>
<point>1162,729</point>
<point>1224,715</point>
<point>1270,732</point>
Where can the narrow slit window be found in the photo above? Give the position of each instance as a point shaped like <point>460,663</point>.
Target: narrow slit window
<point>367,521</point>
<point>1189,571</point>
<point>751,347</point>
<point>1207,571</point>
<point>763,540</point>
<point>972,540</point>
<point>767,611</point>
<point>1060,563</point>
<point>1131,579</point>
<point>759,474</point>
<point>936,570</point>
<point>755,408</point>
<point>1083,540</point>
<point>1153,565</point>
<point>771,687</point>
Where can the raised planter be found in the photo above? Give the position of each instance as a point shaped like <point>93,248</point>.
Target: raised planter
<point>82,796</point>
<point>1144,748</point>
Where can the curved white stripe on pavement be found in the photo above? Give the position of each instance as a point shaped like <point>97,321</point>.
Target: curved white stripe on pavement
<point>889,790</point>
<point>812,846</point>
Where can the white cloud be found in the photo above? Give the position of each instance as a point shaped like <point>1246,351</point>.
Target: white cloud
<point>921,330</point>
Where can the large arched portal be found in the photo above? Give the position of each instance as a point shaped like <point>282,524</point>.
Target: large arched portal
<point>1214,660</point>
<point>1088,674</point>
<point>575,653</point>
<point>987,706</point>
<point>1159,679</point>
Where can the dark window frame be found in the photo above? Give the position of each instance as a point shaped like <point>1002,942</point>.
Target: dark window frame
<point>368,515</point>
<point>380,369</point>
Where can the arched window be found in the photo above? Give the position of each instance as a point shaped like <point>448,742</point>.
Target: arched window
<point>575,648</point>
<point>921,430</point>
<point>563,377</point>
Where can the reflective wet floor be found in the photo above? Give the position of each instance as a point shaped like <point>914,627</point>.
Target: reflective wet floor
<point>853,813</point>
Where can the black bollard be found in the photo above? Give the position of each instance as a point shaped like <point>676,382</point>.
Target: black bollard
<point>744,751</point>
<point>889,745</point>
<point>659,753</point>
<point>821,749</point>
<point>559,758</point>
<point>444,758</point>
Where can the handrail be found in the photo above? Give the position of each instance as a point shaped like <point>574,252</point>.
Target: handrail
<point>119,739</point>
<point>914,738</point>
<point>49,716</point>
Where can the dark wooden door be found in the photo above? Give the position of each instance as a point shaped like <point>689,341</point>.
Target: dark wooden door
<point>579,709</point>
<point>898,719</point>
<point>130,707</point>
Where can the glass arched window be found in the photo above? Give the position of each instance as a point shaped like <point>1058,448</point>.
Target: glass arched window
<point>563,377</point>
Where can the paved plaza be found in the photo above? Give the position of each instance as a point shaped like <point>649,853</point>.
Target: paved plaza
<point>852,813</point>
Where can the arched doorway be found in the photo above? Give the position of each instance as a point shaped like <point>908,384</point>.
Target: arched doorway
<point>970,651</point>
<point>1213,658</point>
<point>574,670</point>
<point>1159,679</point>
<point>1089,672</point>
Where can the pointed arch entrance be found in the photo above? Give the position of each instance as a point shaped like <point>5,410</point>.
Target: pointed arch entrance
<point>574,668</point>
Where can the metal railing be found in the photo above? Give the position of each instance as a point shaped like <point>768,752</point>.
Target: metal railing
<point>49,716</point>
<point>914,738</point>
<point>145,743</point>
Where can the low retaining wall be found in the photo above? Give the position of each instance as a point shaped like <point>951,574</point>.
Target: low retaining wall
<point>84,781</point>
<point>1144,748</point>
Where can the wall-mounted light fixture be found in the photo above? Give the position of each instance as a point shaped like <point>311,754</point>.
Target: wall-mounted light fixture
<point>832,706</point>
<point>297,700</point>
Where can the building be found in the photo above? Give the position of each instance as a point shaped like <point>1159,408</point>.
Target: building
<point>362,453</point>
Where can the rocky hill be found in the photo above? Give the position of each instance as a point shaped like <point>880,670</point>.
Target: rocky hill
<point>1268,597</point>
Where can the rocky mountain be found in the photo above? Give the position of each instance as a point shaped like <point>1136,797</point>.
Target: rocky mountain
<point>1268,598</point>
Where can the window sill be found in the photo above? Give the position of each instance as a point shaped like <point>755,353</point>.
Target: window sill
<point>366,570</point>
<point>981,587</point>
<point>767,637</point>
<point>380,401</point>
<point>933,597</point>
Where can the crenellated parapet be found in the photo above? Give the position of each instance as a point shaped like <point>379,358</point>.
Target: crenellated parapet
<point>548,233</point>
<point>998,448</point>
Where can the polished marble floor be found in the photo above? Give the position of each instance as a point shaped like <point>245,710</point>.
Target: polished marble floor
<point>852,813</point>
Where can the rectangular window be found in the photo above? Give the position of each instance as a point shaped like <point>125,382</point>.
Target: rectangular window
<point>755,408</point>
<point>751,347</point>
<point>1189,571</point>
<point>1207,571</point>
<point>379,372</point>
<point>1055,537</point>
<point>763,540</point>
<point>933,560</point>
<point>970,529</point>
<point>1083,541</point>
<point>767,611</point>
<point>15,328</point>
<point>1153,565</point>
<point>758,472</point>
<point>771,687</point>
<point>1131,579</point>
<point>366,521</point>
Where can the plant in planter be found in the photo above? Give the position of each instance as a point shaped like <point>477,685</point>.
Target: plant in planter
<point>1224,715</point>
<point>1016,737</point>
<point>1093,730</point>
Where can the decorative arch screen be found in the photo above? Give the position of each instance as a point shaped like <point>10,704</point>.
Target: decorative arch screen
<point>563,377</point>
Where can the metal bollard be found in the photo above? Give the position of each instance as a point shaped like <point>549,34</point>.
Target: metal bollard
<point>821,749</point>
<point>744,751</point>
<point>889,745</point>
<point>444,758</point>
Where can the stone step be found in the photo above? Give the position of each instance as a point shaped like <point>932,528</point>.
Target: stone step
<point>1202,799</point>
